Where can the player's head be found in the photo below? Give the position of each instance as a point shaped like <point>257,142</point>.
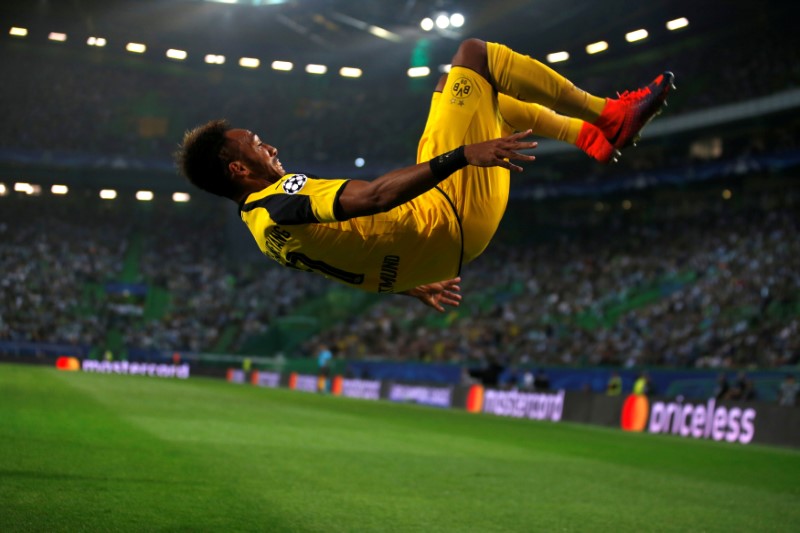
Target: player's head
<point>226,161</point>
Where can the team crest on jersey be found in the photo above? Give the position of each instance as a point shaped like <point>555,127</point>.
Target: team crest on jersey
<point>295,184</point>
<point>461,90</point>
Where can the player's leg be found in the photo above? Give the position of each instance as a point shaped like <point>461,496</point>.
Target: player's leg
<point>620,119</point>
<point>543,121</point>
<point>466,112</point>
<point>422,146</point>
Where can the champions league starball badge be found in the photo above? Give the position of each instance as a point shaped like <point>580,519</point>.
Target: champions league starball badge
<point>294,184</point>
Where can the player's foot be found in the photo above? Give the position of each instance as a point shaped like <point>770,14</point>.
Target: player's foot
<point>592,141</point>
<point>623,118</point>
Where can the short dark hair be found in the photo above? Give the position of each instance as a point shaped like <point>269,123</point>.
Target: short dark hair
<point>202,158</point>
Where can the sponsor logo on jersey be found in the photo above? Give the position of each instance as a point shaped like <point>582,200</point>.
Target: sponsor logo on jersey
<point>295,184</point>
<point>389,271</point>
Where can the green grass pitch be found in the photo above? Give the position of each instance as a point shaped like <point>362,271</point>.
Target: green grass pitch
<point>85,452</point>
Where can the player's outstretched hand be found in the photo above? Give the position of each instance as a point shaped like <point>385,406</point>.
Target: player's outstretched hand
<point>438,294</point>
<point>499,152</point>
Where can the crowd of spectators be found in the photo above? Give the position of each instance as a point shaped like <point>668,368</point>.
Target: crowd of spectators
<point>710,285</point>
<point>723,286</point>
<point>58,256</point>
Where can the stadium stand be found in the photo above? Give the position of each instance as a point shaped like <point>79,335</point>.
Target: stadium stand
<point>675,282</point>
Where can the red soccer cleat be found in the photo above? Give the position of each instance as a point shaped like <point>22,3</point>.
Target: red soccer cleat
<point>624,118</point>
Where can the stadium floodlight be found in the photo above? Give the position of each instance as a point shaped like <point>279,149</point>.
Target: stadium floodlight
<point>444,69</point>
<point>360,162</point>
<point>557,57</point>
<point>350,72</point>
<point>418,72</point>
<point>180,197</point>
<point>28,188</point>
<point>180,55</point>
<point>136,48</point>
<point>426,24</point>
<point>108,194</point>
<point>96,41</point>
<point>636,35</point>
<point>18,32</point>
<point>215,59</point>
<point>249,62</point>
<point>59,189</point>
<point>442,22</point>
<point>285,66</point>
<point>457,20</point>
<point>3,189</point>
<point>57,36</point>
<point>383,33</point>
<point>144,196</point>
<point>596,48</point>
<point>677,24</point>
<point>316,69</point>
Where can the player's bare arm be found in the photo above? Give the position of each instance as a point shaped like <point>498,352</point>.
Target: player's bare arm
<point>363,198</point>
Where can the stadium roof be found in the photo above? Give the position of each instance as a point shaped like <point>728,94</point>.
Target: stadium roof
<point>366,30</point>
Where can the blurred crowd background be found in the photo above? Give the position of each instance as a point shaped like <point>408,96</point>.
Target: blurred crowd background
<point>697,266</point>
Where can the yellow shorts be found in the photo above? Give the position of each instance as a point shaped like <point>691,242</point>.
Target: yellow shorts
<point>466,112</point>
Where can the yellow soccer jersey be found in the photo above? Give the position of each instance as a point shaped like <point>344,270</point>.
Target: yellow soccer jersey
<point>294,221</point>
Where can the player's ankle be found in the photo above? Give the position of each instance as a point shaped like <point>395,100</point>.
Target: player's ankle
<point>610,119</point>
<point>592,140</point>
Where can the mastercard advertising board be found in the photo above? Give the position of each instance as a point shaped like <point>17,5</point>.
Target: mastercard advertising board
<point>690,419</point>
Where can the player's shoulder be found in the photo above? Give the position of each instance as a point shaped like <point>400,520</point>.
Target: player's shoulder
<point>291,183</point>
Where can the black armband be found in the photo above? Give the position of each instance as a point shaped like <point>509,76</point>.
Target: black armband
<point>445,164</point>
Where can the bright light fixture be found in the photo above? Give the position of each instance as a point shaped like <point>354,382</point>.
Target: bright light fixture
<point>108,194</point>
<point>677,24</point>
<point>377,31</point>
<point>636,35</point>
<point>426,24</point>
<point>360,162</point>
<point>57,36</point>
<point>144,196</point>
<point>456,20</point>
<point>180,197</point>
<point>3,189</point>
<point>557,57</point>
<point>136,48</point>
<point>215,59</point>
<point>418,72</point>
<point>180,55</point>
<point>59,189</point>
<point>596,48</point>
<point>96,41</point>
<point>350,72</point>
<point>285,66</point>
<point>316,69</point>
<point>249,62</point>
<point>444,69</point>
<point>18,32</point>
<point>22,186</point>
<point>442,22</point>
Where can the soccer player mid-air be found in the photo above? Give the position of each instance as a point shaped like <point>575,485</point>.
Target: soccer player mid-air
<point>411,230</point>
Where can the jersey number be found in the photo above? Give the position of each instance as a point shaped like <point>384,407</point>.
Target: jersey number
<point>302,261</point>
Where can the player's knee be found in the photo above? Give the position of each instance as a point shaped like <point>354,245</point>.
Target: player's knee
<point>472,54</point>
